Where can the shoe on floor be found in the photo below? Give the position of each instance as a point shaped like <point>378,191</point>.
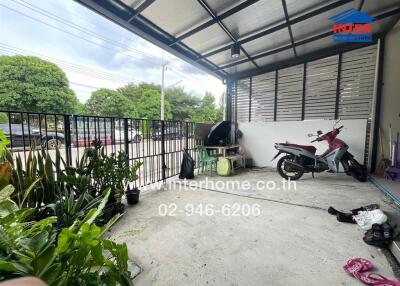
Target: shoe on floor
<point>365,219</point>
<point>335,212</point>
<point>342,217</point>
<point>379,235</point>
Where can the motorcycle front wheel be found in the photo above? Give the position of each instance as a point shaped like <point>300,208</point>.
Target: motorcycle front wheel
<point>285,171</point>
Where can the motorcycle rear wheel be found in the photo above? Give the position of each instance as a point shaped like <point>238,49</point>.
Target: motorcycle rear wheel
<point>357,171</point>
<point>284,172</point>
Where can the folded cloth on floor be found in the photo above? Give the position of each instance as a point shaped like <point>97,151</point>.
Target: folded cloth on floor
<point>365,219</point>
<point>370,207</point>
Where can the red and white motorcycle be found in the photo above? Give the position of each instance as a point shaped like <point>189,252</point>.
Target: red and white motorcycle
<point>300,159</point>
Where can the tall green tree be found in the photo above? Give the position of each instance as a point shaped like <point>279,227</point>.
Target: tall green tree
<point>185,105</point>
<point>108,102</point>
<point>135,92</point>
<point>208,111</point>
<point>149,106</point>
<point>32,84</point>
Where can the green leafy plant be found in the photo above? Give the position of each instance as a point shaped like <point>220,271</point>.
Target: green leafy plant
<point>5,156</point>
<point>78,255</point>
<point>40,170</point>
<point>111,171</point>
<point>4,142</point>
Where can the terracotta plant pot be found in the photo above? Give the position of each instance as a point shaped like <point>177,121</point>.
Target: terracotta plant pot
<point>5,172</point>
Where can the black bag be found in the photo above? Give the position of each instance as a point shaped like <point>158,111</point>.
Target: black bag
<point>187,166</point>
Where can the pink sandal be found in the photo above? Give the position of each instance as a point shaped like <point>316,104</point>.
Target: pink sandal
<point>356,266</point>
<point>382,280</point>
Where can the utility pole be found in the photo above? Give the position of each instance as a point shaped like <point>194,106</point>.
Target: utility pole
<point>163,69</point>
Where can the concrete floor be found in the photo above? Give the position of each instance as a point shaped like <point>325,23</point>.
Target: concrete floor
<point>294,241</point>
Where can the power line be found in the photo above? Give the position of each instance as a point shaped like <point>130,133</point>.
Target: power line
<point>80,28</point>
<point>82,38</point>
<point>11,50</point>
<point>84,30</point>
<point>70,66</point>
<point>65,31</point>
<point>85,85</point>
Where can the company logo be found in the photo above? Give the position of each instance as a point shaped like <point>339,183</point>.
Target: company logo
<point>352,26</point>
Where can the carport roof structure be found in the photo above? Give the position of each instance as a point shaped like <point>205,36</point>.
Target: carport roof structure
<point>271,34</point>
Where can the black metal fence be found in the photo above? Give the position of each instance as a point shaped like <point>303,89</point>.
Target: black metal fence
<point>157,144</point>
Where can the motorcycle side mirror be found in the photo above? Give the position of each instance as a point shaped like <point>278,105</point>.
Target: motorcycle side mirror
<point>310,135</point>
<point>319,132</point>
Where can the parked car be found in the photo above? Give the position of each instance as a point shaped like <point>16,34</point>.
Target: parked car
<point>134,135</point>
<point>24,136</point>
<point>169,134</point>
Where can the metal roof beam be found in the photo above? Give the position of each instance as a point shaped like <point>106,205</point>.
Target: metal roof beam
<point>142,6</point>
<point>280,26</point>
<point>303,42</point>
<point>206,7</point>
<point>207,24</point>
<point>120,13</point>
<point>288,26</point>
<point>300,60</point>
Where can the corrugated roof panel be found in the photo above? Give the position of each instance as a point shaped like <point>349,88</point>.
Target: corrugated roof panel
<point>176,16</point>
<point>296,7</point>
<point>315,46</point>
<point>222,5</point>
<point>240,68</point>
<point>376,7</point>
<point>225,58</point>
<point>269,42</point>
<point>319,23</point>
<point>255,17</point>
<point>281,56</point>
<point>132,3</point>
<point>207,39</point>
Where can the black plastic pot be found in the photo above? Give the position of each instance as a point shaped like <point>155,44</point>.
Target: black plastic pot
<point>118,208</point>
<point>132,196</point>
<point>108,212</point>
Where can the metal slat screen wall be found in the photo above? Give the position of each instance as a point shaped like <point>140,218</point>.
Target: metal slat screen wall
<point>314,90</point>
<point>321,85</point>
<point>243,99</point>
<point>357,83</point>
<point>290,93</point>
<point>263,97</point>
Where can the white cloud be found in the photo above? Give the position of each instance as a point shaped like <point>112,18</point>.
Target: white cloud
<point>141,61</point>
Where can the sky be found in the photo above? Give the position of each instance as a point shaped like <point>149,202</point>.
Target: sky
<point>93,51</point>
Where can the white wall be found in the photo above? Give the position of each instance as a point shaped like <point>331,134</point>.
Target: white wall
<point>390,108</point>
<point>259,137</point>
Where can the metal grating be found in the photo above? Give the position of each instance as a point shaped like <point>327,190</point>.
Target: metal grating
<point>263,97</point>
<point>357,83</point>
<point>243,100</point>
<point>321,83</point>
<point>290,93</point>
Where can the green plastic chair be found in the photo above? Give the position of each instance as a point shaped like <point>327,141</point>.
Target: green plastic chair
<point>205,160</point>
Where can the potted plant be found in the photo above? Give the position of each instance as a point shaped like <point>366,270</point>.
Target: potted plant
<point>111,171</point>
<point>132,193</point>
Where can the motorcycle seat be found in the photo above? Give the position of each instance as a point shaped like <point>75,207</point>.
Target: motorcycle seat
<point>309,148</point>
